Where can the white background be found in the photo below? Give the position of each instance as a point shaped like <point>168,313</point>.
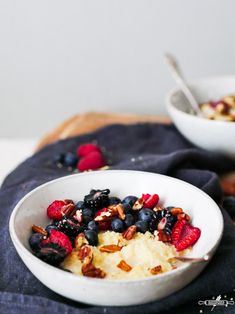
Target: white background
<point>58,58</point>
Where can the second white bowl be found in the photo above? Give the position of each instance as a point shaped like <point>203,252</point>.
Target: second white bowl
<point>212,135</point>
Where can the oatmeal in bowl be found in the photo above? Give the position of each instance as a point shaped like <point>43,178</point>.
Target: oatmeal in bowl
<point>103,236</point>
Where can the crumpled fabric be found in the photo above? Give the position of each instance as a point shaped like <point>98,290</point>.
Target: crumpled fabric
<point>146,147</point>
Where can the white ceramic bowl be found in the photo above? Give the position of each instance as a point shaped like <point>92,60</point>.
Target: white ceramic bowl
<point>31,210</point>
<point>212,135</point>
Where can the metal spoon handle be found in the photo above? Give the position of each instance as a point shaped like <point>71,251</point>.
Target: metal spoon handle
<point>205,258</point>
<point>178,77</point>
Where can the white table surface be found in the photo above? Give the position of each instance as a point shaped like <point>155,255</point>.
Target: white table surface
<point>13,152</point>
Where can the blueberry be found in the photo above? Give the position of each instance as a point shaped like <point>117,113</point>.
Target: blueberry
<point>34,241</point>
<point>86,219</point>
<point>142,226</point>
<point>117,225</point>
<point>129,220</point>
<point>130,200</point>
<point>70,160</point>
<point>80,205</point>
<point>127,208</point>
<point>50,227</point>
<point>92,225</point>
<point>51,253</point>
<point>87,212</point>
<point>91,236</point>
<point>145,214</point>
<point>114,200</point>
<point>58,159</point>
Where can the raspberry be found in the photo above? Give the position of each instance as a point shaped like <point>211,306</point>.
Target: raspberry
<point>85,149</point>
<point>184,235</point>
<point>54,210</point>
<point>58,237</point>
<point>92,161</point>
<point>150,201</point>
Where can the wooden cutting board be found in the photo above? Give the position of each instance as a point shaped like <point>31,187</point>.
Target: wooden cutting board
<point>91,121</point>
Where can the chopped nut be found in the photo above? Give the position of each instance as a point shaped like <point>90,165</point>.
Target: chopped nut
<point>89,270</point>
<point>121,212</point>
<point>229,100</point>
<point>183,216</point>
<point>85,254</point>
<point>124,266</point>
<point>157,208</point>
<point>156,270</point>
<point>80,240</point>
<point>129,233</point>
<point>78,215</point>
<point>122,242</point>
<point>176,210</point>
<point>68,210</point>
<point>68,201</point>
<point>162,236</point>
<point>106,216</point>
<point>39,229</point>
<point>138,204</point>
<point>110,248</point>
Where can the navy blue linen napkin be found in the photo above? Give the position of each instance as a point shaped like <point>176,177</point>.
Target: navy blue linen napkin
<point>147,147</point>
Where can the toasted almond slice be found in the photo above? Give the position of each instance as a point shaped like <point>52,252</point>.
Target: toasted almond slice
<point>130,232</point>
<point>156,270</point>
<point>124,266</point>
<point>110,248</point>
<point>39,229</point>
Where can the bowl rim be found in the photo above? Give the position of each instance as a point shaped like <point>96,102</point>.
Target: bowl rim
<point>19,246</point>
<point>195,83</point>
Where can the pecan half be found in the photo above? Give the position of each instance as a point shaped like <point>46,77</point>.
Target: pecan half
<point>39,229</point>
<point>68,210</point>
<point>106,216</point>
<point>183,216</point>
<point>68,201</point>
<point>176,210</point>
<point>138,204</point>
<point>157,208</point>
<point>162,236</point>
<point>78,215</point>
<point>89,270</point>
<point>121,212</point>
<point>129,233</point>
<point>110,248</point>
<point>156,270</point>
<point>80,240</point>
<point>85,254</point>
<point>124,266</point>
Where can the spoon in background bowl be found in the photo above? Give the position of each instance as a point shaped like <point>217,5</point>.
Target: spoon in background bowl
<point>178,77</point>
